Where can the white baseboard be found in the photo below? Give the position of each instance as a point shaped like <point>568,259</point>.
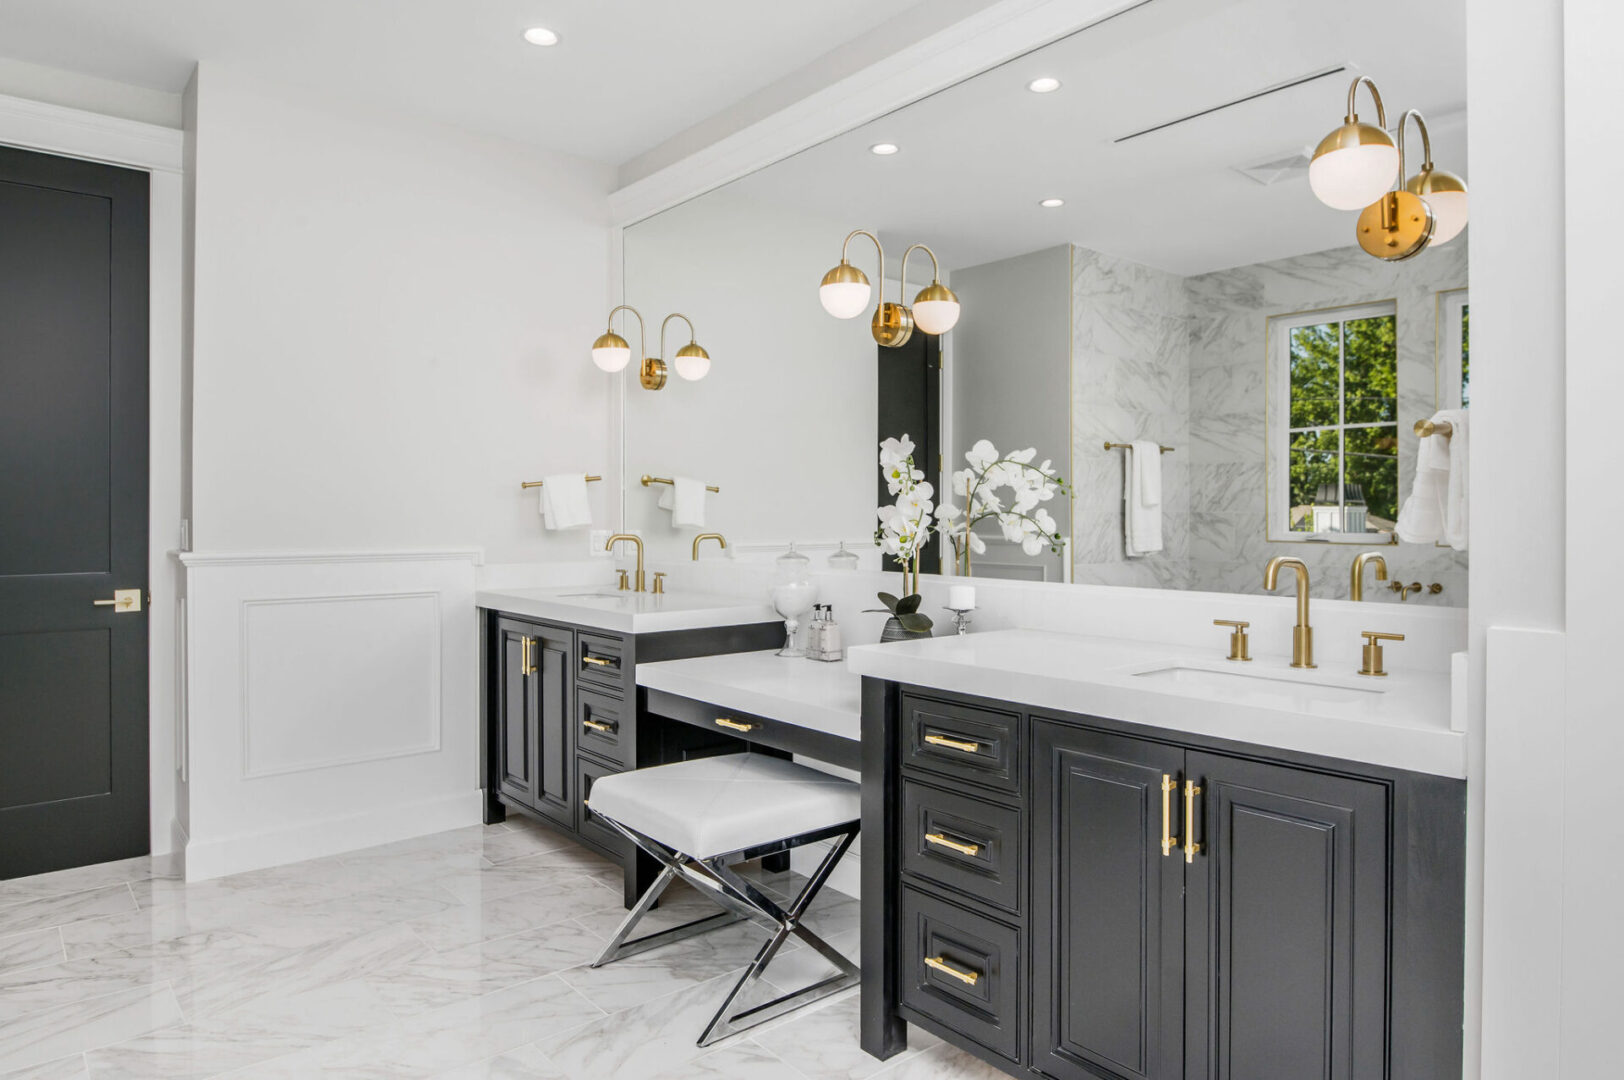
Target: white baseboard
<point>333,836</point>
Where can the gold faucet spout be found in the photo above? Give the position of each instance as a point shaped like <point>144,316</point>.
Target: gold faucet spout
<point>1356,584</point>
<point>718,537</point>
<point>636,540</point>
<point>1302,635</point>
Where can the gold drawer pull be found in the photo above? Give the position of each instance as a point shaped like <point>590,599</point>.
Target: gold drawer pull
<point>599,725</point>
<point>941,841</point>
<point>1169,841</point>
<point>1191,848</point>
<point>597,661</point>
<point>968,978</point>
<point>953,744</point>
<point>722,721</point>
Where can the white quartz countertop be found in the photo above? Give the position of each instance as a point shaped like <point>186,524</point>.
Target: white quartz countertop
<point>812,694</point>
<point>606,608</point>
<point>1401,721</point>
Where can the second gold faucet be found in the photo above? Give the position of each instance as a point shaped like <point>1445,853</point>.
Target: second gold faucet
<point>638,540</point>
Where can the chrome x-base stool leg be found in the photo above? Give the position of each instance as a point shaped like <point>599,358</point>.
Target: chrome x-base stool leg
<point>739,899</point>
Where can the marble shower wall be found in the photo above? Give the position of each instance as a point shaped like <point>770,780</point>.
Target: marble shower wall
<point>1130,380</point>
<point>1227,313</point>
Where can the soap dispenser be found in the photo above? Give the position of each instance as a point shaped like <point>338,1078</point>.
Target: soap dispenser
<point>825,644</point>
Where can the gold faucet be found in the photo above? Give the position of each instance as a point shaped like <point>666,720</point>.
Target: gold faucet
<point>718,537</point>
<point>638,540</point>
<point>1302,635</point>
<point>1357,583</point>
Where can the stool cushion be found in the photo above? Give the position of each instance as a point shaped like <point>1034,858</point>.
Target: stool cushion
<point>712,806</point>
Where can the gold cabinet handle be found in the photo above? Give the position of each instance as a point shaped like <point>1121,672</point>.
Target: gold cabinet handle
<point>123,602</point>
<point>968,978</point>
<point>597,661</point>
<point>953,845</point>
<point>1169,785</point>
<point>722,721</point>
<point>524,656</point>
<point>953,744</point>
<point>599,725</point>
<point>1190,846</point>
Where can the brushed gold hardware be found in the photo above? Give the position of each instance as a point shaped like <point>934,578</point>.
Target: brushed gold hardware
<point>953,744</point>
<point>597,661</point>
<point>1302,635</point>
<point>1373,651</point>
<point>1435,588</point>
<point>1356,580</point>
<point>692,361</point>
<point>718,537</point>
<point>647,480</point>
<point>637,541</point>
<point>659,582</point>
<point>1423,428</point>
<point>1129,446</point>
<point>1191,848</point>
<point>651,374</point>
<point>524,656</point>
<point>599,725</point>
<point>1404,590</point>
<point>625,581</point>
<point>1400,224</point>
<point>1168,841</point>
<point>953,845</point>
<point>539,483</point>
<point>892,324</point>
<point>968,978</point>
<point>1240,646</point>
<point>124,601</point>
<point>722,721</point>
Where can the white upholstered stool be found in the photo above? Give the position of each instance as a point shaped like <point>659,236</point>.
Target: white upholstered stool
<point>696,818</point>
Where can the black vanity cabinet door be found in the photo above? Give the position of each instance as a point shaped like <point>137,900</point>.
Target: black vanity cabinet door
<point>552,658</point>
<point>1286,951</point>
<point>516,720</point>
<point>1107,907</point>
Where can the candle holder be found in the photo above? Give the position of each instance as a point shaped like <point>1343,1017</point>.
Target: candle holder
<point>961,619</point>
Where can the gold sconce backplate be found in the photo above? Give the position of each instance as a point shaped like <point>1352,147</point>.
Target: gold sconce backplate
<point>651,373</point>
<point>893,325</point>
<point>1395,226</point>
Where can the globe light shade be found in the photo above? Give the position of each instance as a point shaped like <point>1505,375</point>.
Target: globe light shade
<point>693,362</point>
<point>1353,166</point>
<point>936,309</point>
<point>611,353</point>
<point>845,291</point>
<point>1445,193</point>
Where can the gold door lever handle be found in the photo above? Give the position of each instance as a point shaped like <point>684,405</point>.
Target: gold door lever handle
<point>968,978</point>
<point>123,602</point>
<point>952,845</point>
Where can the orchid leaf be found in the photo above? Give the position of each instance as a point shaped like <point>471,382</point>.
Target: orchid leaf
<point>908,604</point>
<point>890,602</point>
<point>914,622</point>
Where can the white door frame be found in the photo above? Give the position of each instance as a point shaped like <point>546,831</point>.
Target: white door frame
<point>158,151</point>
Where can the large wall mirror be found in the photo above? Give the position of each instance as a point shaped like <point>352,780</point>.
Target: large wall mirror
<point>1126,219</point>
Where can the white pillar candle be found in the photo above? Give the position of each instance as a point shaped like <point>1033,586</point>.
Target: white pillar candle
<point>961,597</point>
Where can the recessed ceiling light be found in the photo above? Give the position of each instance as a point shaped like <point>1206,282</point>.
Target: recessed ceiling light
<point>540,35</point>
<point>884,149</point>
<point>1052,203</point>
<point>1045,85</point>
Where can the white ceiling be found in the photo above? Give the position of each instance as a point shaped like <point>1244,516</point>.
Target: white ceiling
<point>626,75</point>
<point>976,159</point>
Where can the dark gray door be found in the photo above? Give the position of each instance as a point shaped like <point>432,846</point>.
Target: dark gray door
<point>1286,959</point>
<point>73,513</point>
<point>516,735</point>
<point>1107,907</point>
<point>554,686</point>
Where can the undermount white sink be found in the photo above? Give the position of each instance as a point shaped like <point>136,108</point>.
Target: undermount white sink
<point>1305,687</point>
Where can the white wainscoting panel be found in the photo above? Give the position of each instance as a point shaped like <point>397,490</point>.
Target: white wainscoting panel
<point>332,703</point>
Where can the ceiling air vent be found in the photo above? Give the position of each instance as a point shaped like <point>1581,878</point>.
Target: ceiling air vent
<point>1276,169</point>
<point>1300,80</point>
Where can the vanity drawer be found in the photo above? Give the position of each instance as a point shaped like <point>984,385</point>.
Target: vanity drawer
<point>606,727</point>
<point>961,970</point>
<point>592,828</point>
<point>981,746</point>
<point>759,731</point>
<point>601,661</point>
<point>964,845</point>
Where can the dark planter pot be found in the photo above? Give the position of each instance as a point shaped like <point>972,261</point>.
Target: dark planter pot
<point>895,631</point>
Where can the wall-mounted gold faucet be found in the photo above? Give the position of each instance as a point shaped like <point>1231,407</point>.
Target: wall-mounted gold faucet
<point>1356,584</point>
<point>1404,590</point>
<point>1302,635</point>
<point>718,537</point>
<point>638,540</point>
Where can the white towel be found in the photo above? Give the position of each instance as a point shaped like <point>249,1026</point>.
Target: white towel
<point>685,498</point>
<point>1437,508</point>
<point>1142,520</point>
<point>564,503</point>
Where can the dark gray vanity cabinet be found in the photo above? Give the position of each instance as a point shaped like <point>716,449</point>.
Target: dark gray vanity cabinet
<point>534,730</point>
<point>1096,900</point>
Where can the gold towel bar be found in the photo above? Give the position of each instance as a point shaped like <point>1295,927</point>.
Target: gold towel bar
<point>647,480</point>
<point>1423,428</point>
<point>1124,446</point>
<point>538,483</point>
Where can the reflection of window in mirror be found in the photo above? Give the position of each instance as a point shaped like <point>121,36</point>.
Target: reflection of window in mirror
<point>1333,425</point>
<point>1454,356</point>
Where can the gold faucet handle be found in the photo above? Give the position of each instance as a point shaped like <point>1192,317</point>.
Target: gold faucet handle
<point>1240,646</point>
<point>625,581</point>
<point>659,582</point>
<point>1373,651</point>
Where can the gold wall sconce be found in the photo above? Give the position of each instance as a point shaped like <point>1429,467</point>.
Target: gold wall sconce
<point>1357,162</point>
<point>611,352</point>
<point>845,290</point>
<point>1399,224</point>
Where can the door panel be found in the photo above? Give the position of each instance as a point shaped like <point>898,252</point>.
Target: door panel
<point>1107,908</point>
<point>1288,923</point>
<point>553,687</point>
<point>73,512</point>
<point>516,754</point>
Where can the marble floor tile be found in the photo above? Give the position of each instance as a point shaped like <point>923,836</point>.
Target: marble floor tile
<point>942,1062</point>
<point>31,949</point>
<point>567,895</point>
<point>47,911</point>
<point>68,1068</point>
<point>525,1063</point>
<point>83,879</point>
<point>651,1040</point>
<point>736,1061</point>
<point>823,1042</point>
<point>43,1037</point>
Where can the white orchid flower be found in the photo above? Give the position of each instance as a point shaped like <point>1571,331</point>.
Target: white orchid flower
<point>1032,545</point>
<point>1023,456</point>
<point>981,455</point>
<point>977,545</point>
<point>947,512</point>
